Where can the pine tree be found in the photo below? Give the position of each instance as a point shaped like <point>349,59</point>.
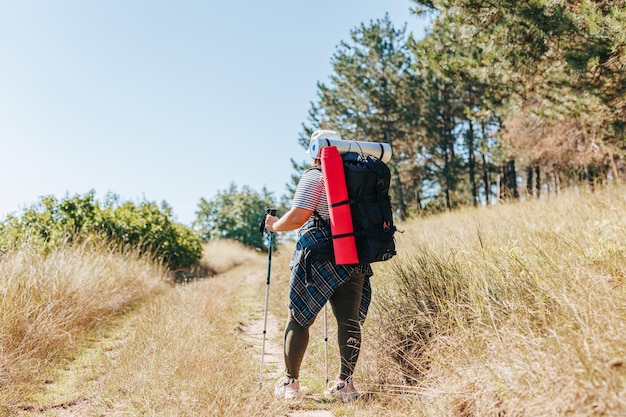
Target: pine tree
<point>557,71</point>
<point>368,98</point>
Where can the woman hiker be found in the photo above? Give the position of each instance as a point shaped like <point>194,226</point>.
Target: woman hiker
<point>314,282</point>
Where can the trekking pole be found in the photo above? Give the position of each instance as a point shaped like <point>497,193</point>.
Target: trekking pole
<point>326,342</point>
<point>272,212</point>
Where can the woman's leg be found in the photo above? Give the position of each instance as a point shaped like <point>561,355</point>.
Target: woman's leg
<point>296,341</point>
<point>345,303</point>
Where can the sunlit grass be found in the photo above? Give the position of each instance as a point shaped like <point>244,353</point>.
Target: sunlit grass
<point>517,309</point>
<point>192,360</point>
<point>49,303</point>
<point>223,254</point>
<point>178,352</point>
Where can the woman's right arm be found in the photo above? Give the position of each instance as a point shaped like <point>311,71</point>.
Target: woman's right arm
<point>291,220</point>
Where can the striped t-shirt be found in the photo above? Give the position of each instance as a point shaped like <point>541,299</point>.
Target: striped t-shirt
<point>311,194</point>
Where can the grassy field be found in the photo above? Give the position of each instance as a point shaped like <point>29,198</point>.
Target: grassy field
<point>514,310</point>
<point>50,304</point>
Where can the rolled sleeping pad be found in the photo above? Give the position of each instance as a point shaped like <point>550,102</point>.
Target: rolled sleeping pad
<point>341,228</point>
<point>381,151</point>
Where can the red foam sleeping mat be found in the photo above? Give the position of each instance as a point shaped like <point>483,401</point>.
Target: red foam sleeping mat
<point>340,216</point>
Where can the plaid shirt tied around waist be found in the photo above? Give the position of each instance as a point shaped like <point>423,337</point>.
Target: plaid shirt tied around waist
<point>314,279</point>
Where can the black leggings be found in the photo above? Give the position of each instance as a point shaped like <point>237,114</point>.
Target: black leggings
<point>345,303</point>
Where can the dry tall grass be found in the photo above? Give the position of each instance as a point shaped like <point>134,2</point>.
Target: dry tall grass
<point>48,304</point>
<point>183,356</point>
<point>177,353</point>
<point>221,255</point>
<point>514,310</point>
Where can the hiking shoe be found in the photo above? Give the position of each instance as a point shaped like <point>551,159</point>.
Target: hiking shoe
<point>342,389</point>
<point>287,388</point>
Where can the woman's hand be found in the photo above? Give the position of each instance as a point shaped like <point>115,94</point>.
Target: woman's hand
<point>269,222</point>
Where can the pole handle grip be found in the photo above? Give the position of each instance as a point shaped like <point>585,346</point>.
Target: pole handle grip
<point>270,211</point>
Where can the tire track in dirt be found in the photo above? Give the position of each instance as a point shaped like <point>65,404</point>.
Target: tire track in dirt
<point>69,388</point>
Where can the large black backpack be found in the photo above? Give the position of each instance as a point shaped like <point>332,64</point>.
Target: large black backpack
<point>367,181</point>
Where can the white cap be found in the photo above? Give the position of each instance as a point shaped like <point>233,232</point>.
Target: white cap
<point>322,134</point>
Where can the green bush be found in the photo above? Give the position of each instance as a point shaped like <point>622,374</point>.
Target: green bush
<point>235,214</point>
<point>118,225</point>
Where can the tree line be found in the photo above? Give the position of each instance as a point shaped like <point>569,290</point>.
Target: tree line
<point>498,100</point>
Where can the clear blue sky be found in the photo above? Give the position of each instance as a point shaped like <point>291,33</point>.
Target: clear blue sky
<point>163,100</point>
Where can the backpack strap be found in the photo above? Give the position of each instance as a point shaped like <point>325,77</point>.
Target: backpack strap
<point>340,203</point>
<point>319,221</point>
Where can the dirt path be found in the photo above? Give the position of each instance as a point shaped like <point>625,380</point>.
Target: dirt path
<point>87,385</point>
<point>273,358</point>
<point>252,331</point>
